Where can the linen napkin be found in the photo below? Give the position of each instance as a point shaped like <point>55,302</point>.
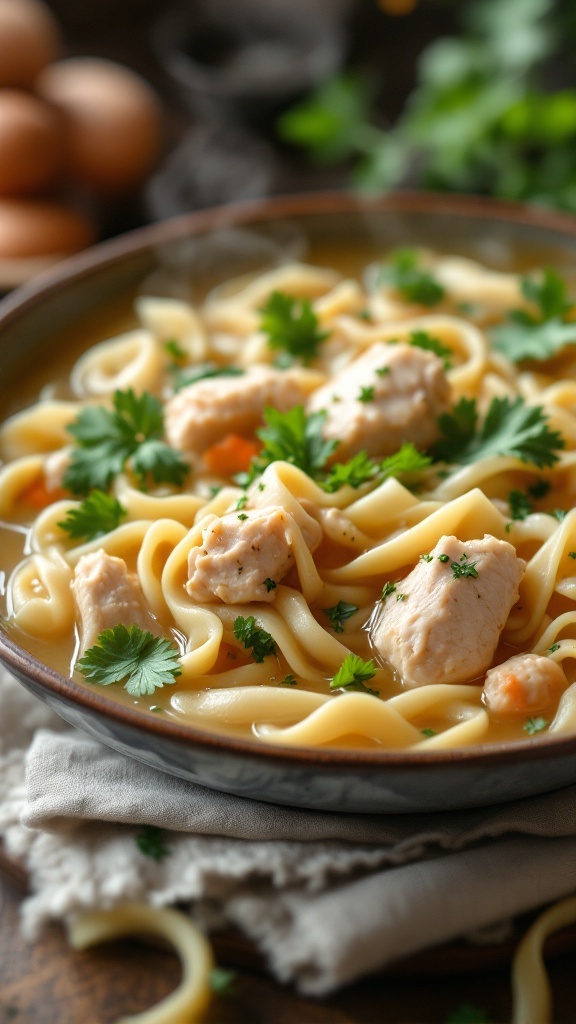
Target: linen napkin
<point>326,897</point>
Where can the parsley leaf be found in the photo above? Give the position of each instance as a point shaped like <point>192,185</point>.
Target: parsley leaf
<point>520,505</point>
<point>423,340</point>
<point>99,513</point>
<point>292,326</point>
<point>183,376</point>
<point>366,394</point>
<point>534,725</point>
<point>131,655</point>
<point>541,337</point>
<point>388,588</point>
<point>339,613</point>
<point>292,437</point>
<point>463,569</point>
<point>353,675</point>
<point>510,428</point>
<point>413,283</point>
<point>252,636</point>
<point>361,468</point>
<point>289,680</point>
<point>107,438</point>
<point>151,842</point>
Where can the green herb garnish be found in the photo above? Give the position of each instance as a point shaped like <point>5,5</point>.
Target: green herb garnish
<point>254,638</point>
<point>412,282</point>
<point>534,725</point>
<point>339,613</point>
<point>353,674</point>
<point>292,326</point>
<point>131,655</point>
<point>293,437</point>
<point>425,341</point>
<point>98,514</point>
<point>510,428</point>
<point>183,377</point>
<point>105,439</point>
<point>541,336</point>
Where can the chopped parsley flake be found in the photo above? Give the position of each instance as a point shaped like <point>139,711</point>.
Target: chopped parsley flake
<point>242,502</point>
<point>269,584</point>
<point>443,558</point>
<point>151,841</point>
<point>366,394</point>
<point>131,655</point>
<point>175,350</point>
<point>426,558</point>
<point>428,732</point>
<point>412,282</point>
<point>555,647</point>
<point>253,637</point>
<point>572,554</point>
<point>243,516</point>
<point>292,326</point>
<point>353,674</point>
<point>534,725</point>
<point>387,589</point>
<point>425,341</point>
<point>288,680</point>
<point>520,505</point>
<point>221,981</point>
<point>383,371</point>
<point>98,514</point>
<point>462,569</point>
<point>339,613</point>
<point>539,489</point>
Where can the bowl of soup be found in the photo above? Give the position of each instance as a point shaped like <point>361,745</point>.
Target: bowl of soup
<point>287,499</point>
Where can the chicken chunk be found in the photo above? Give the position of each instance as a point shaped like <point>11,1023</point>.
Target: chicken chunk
<point>524,684</point>
<point>443,622</point>
<point>204,412</point>
<point>107,594</point>
<point>243,556</point>
<point>390,394</point>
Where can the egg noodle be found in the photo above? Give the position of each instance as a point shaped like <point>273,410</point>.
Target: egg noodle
<point>371,534</point>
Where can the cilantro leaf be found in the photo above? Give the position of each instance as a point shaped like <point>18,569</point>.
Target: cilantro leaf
<point>291,437</point>
<point>510,428</point>
<point>107,438</point>
<point>339,613</point>
<point>99,513</point>
<point>183,376</point>
<point>252,636</point>
<point>541,337</point>
<point>353,674</point>
<point>131,655</point>
<point>292,326</point>
<point>151,841</point>
<point>412,282</point>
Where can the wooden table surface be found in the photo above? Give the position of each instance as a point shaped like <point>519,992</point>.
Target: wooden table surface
<point>48,983</point>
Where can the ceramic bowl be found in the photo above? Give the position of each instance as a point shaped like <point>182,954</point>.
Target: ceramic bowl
<point>170,256</point>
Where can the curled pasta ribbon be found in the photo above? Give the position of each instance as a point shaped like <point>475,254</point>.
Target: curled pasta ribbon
<point>530,985</point>
<point>171,318</point>
<point>183,508</point>
<point>42,596</point>
<point>199,624</point>
<point>565,718</point>
<point>471,515</point>
<point>132,360</point>
<point>15,479</point>
<point>37,430</point>
<point>123,542</point>
<point>157,545</point>
<point>539,581</point>
<point>241,706</point>
<point>188,1002</point>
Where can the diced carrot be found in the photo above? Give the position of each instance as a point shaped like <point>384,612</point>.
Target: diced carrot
<point>40,497</point>
<point>233,454</point>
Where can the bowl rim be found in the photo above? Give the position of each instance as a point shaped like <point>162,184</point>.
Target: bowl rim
<point>253,213</point>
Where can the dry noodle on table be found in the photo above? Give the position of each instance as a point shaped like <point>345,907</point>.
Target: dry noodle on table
<point>314,509</point>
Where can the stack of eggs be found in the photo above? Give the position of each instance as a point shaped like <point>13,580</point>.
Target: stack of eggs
<point>73,133</point>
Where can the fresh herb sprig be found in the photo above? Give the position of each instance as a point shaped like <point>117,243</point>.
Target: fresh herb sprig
<point>291,326</point>
<point>353,674</point>
<point>541,336</point>
<point>98,514</point>
<point>105,439</point>
<point>360,469</point>
<point>128,654</point>
<point>339,613</point>
<point>413,282</point>
<point>510,428</point>
<point>293,437</point>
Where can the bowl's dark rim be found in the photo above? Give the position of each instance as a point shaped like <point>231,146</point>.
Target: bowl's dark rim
<point>109,253</point>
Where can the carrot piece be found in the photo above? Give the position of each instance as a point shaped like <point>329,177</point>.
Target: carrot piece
<point>233,454</point>
<point>40,497</point>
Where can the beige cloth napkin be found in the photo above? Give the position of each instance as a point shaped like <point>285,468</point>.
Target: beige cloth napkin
<point>326,897</point>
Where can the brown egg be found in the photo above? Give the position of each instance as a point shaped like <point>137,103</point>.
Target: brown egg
<point>39,228</point>
<point>29,40</point>
<point>113,119</point>
<point>32,143</point>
